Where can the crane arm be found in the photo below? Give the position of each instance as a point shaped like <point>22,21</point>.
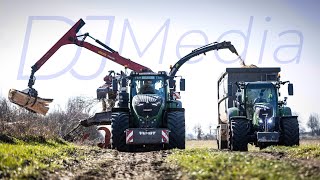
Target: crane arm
<point>113,56</point>
<point>71,37</point>
<point>202,50</point>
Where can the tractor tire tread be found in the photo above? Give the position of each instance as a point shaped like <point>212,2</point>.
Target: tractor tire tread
<point>290,132</point>
<point>176,125</point>
<point>120,122</point>
<point>238,135</point>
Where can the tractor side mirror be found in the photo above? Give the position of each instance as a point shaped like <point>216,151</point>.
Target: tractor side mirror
<point>114,85</point>
<point>182,84</point>
<point>172,83</point>
<point>290,89</point>
<point>229,90</point>
<point>239,95</point>
<point>239,98</point>
<point>123,82</point>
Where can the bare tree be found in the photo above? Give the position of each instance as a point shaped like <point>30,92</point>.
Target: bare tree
<point>18,122</point>
<point>198,131</point>
<point>314,124</point>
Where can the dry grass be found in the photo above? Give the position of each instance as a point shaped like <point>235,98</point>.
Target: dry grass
<point>201,144</point>
<point>310,141</point>
<point>213,143</point>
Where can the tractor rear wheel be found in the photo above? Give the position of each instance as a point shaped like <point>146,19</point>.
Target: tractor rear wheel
<point>290,131</point>
<point>238,140</point>
<point>120,122</point>
<point>176,125</point>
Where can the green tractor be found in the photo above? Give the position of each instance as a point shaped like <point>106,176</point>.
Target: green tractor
<point>149,114</point>
<point>146,116</point>
<point>255,114</point>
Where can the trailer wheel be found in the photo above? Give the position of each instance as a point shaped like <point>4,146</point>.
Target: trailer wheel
<point>120,122</point>
<point>238,140</point>
<point>290,131</point>
<point>224,144</point>
<point>176,125</point>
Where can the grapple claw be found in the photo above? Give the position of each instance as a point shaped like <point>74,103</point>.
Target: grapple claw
<point>29,100</point>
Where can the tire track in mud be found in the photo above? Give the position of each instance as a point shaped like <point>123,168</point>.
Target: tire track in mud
<point>146,165</point>
<point>111,164</point>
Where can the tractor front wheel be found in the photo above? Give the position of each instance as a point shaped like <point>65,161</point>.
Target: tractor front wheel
<point>238,140</point>
<point>176,125</point>
<point>120,122</point>
<point>290,131</point>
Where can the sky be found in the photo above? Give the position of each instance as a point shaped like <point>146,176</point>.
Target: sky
<point>156,34</point>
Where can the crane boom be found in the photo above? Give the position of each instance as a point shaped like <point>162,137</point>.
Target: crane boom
<point>71,38</point>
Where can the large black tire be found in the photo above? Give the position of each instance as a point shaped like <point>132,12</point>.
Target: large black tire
<point>176,125</point>
<point>238,140</point>
<point>290,131</point>
<point>120,122</point>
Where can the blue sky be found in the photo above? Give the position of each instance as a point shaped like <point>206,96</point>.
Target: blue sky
<point>268,33</point>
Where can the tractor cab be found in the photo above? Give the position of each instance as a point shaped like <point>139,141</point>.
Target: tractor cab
<point>148,84</point>
<point>260,95</point>
<point>148,96</point>
<point>261,105</point>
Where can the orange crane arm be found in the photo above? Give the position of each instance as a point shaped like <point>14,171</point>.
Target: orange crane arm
<point>71,37</point>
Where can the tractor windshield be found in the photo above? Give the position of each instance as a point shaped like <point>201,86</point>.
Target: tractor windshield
<point>148,85</point>
<point>260,94</point>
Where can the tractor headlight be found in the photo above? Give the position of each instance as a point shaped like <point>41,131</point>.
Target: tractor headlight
<point>260,121</point>
<point>269,121</point>
<point>156,103</point>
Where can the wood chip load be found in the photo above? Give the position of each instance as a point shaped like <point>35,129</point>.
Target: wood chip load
<point>33,104</point>
<point>243,64</point>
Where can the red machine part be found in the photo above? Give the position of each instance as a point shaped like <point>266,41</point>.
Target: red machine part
<point>71,38</point>
<point>85,137</point>
<point>107,138</point>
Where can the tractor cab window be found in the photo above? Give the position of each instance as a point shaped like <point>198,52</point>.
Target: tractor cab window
<point>148,85</point>
<point>263,94</point>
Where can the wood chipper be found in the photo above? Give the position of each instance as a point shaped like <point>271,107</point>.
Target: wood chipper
<point>142,106</point>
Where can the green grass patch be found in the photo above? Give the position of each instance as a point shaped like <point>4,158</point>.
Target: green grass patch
<point>25,158</point>
<point>309,151</point>
<point>213,164</point>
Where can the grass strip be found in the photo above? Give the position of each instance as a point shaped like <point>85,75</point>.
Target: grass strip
<point>213,164</point>
<point>24,159</point>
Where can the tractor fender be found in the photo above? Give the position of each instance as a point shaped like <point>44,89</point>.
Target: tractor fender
<point>286,111</point>
<point>174,104</point>
<point>232,112</point>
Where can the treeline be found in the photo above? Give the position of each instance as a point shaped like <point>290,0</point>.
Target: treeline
<point>314,124</point>
<point>17,122</point>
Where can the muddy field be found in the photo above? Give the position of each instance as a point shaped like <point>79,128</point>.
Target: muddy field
<point>111,164</point>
